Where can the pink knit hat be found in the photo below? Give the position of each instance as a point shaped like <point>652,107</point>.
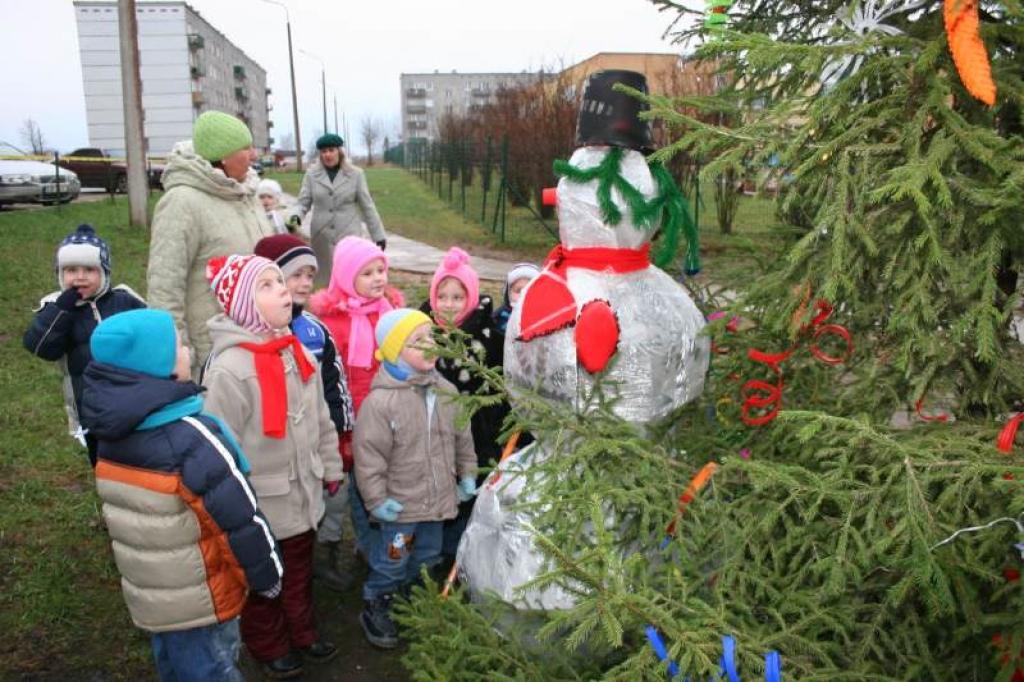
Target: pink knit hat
<point>351,255</point>
<point>233,280</point>
<point>456,264</point>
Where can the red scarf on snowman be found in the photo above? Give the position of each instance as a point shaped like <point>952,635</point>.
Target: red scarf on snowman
<point>548,304</point>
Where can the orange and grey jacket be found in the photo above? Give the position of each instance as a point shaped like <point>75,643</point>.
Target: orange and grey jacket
<point>188,536</point>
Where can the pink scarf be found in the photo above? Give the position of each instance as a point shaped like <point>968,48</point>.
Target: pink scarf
<point>361,342</point>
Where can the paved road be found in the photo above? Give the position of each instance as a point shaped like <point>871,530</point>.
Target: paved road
<point>413,256</point>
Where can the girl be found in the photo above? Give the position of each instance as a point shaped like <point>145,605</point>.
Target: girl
<point>264,385</point>
<point>455,301</point>
<point>357,295</point>
<point>518,277</point>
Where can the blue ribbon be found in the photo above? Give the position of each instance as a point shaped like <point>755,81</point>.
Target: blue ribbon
<point>772,659</point>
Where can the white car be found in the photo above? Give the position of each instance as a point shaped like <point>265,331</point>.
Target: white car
<point>36,182</point>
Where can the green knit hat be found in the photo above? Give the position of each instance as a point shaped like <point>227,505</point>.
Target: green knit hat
<point>330,140</point>
<point>216,135</point>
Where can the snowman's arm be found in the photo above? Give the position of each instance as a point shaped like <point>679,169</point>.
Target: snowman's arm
<point>372,443</point>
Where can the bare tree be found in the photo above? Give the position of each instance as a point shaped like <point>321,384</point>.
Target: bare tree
<point>370,132</point>
<point>32,136</point>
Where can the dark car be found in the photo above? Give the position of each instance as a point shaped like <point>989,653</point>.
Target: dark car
<point>96,168</point>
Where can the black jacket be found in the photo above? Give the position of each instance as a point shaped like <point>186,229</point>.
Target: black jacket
<point>55,334</point>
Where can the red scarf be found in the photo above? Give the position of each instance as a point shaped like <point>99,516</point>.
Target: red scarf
<point>548,305</point>
<point>270,374</point>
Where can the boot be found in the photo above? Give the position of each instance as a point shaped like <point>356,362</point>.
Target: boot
<point>284,668</point>
<point>320,651</point>
<point>325,567</point>
<point>377,625</point>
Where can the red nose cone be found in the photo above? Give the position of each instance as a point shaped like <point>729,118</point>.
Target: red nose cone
<point>549,196</point>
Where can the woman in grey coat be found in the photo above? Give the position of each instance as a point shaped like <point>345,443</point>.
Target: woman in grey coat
<point>337,192</point>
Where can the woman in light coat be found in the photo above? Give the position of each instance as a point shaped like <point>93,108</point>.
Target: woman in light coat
<point>209,208</point>
<point>341,202</point>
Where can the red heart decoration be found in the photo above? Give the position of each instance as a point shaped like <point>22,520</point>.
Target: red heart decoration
<point>547,307</point>
<point>597,335</point>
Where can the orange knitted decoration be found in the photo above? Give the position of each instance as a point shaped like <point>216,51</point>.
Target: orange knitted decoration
<point>969,54</point>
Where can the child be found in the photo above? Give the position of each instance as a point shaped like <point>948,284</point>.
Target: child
<point>408,450</point>
<point>298,265</point>
<point>518,277</point>
<point>66,319</point>
<point>188,537</point>
<point>269,193</point>
<point>261,383</point>
<point>455,301</point>
<point>356,297</point>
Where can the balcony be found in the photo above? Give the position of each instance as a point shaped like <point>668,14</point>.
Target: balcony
<point>415,109</point>
<point>270,124</point>
<point>415,93</point>
<point>481,92</point>
<point>196,42</point>
<point>269,92</point>
<point>197,71</point>
<point>417,125</point>
<point>241,94</point>
<point>197,99</point>
<point>239,72</point>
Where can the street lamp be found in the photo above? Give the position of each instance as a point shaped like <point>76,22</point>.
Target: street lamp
<point>295,100</point>
<point>323,81</point>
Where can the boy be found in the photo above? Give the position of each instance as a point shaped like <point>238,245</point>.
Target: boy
<point>66,319</point>
<point>187,535</point>
<point>298,265</point>
<point>407,447</point>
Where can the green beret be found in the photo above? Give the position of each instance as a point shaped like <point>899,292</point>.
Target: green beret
<point>329,140</point>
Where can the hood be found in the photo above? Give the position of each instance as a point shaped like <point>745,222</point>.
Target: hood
<point>116,400</point>
<point>188,169</point>
<point>226,333</point>
<point>385,382</point>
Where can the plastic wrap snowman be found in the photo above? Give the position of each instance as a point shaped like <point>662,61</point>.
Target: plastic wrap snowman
<point>599,308</point>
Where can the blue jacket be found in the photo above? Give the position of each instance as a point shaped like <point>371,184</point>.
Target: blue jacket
<point>55,334</point>
<point>317,339</point>
<point>187,534</point>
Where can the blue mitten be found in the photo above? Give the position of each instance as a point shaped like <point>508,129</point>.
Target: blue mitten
<point>388,510</point>
<point>466,489</point>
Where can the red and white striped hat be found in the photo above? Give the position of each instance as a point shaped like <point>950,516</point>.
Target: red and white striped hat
<point>233,280</point>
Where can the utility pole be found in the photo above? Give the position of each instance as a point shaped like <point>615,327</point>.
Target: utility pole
<point>295,99</point>
<point>336,113</point>
<point>131,93</point>
<point>323,82</point>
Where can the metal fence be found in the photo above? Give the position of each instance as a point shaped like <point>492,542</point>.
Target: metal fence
<point>475,178</point>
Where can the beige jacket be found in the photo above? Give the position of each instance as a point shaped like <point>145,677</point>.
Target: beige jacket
<point>287,474</point>
<point>202,214</point>
<point>399,456</point>
<point>340,207</point>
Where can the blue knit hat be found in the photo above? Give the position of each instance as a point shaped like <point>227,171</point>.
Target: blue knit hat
<point>143,341</point>
<point>84,247</point>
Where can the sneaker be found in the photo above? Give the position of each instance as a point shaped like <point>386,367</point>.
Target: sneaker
<point>286,667</point>
<point>320,651</point>
<point>377,625</point>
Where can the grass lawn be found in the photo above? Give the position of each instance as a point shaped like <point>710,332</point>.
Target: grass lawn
<point>61,610</point>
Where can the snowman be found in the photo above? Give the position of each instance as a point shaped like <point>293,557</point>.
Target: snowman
<point>599,309</point>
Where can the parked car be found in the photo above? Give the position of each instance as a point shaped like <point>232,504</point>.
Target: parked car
<point>36,182</point>
<point>95,169</point>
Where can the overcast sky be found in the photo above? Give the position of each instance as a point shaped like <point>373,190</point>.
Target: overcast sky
<point>365,43</point>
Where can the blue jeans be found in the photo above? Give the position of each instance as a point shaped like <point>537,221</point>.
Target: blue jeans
<point>393,564</point>
<point>365,533</point>
<point>208,653</point>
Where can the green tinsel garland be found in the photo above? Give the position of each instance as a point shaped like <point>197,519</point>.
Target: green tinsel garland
<point>669,204</point>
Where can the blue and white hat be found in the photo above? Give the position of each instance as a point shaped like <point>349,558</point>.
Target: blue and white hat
<point>84,247</point>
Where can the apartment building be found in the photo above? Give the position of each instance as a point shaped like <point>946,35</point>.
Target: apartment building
<point>186,67</point>
<point>427,97</point>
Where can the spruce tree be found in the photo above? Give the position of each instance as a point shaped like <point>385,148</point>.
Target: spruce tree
<point>822,532</point>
